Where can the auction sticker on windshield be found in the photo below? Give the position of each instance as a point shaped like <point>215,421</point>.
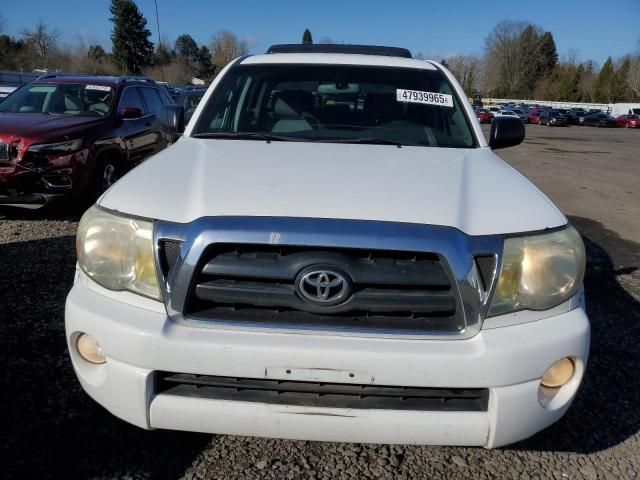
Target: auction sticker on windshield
<point>102,88</point>
<point>427,98</point>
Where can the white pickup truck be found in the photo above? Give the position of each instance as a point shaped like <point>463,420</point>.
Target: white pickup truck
<point>331,251</point>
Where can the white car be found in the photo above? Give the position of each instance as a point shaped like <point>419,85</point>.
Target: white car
<point>511,113</point>
<point>331,251</point>
<point>521,114</point>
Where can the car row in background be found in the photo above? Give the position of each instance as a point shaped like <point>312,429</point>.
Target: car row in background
<point>559,117</point>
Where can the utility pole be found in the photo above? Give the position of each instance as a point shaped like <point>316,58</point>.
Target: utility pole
<point>159,43</point>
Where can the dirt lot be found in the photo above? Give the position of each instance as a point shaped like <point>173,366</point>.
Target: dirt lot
<point>587,172</point>
<point>51,429</point>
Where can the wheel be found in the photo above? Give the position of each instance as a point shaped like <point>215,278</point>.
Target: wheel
<point>107,172</point>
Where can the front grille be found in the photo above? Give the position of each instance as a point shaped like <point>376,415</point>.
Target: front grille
<point>330,395</point>
<point>390,290</point>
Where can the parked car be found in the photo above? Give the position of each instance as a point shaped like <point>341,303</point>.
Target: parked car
<point>534,116</point>
<point>581,116</point>
<point>599,120</point>
<point>505,113</point>
<point>64,135</point>
<point>484,116</point>
<point>553,118</point>
<point>247,281</point>
<point>189,100</point>
<point>572,118</point>
<point>628,121</point>
<point>521,114</point>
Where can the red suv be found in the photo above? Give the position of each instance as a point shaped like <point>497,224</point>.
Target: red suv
<point>63,135</point>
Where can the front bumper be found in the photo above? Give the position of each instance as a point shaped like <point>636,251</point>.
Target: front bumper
<point>139,339</point>
<point>35,181</point>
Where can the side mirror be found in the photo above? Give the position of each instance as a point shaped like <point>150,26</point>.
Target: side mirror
<point>131,112</point>
<point>171,121</point>
<point>506,132</point>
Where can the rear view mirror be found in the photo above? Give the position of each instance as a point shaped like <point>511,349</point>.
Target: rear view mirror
<point>171,121</point>
<point>506,132</point>
<point>130,112</point>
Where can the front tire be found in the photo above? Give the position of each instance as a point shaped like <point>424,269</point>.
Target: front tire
<point>107,172</point>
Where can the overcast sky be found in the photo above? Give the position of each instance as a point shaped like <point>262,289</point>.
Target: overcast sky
<point>595,28</point>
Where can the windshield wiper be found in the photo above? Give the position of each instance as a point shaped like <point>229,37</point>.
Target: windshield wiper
<point>370,141</point>
<point>247,136</point>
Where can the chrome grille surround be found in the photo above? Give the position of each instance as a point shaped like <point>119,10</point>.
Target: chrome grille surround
<point>458,250</point>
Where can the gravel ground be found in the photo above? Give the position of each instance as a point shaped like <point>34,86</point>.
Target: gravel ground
<point>51,429</point>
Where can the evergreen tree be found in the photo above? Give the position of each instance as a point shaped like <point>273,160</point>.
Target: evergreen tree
<point>132,49</point>
<point>548,53</point>
<point>163,55</point>
<point>186,47</point>
<point>605,83</point>
<point>307,39</point>
<point>205,68</point>
<point>96,52</point>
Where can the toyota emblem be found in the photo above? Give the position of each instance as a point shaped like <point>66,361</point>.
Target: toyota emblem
<point>324,286</point>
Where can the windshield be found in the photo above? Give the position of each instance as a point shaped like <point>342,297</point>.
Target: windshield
<point>60,99</point>
<point>330,103</point>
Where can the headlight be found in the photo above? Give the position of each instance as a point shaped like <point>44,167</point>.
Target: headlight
<point>539,272</point>
<point>117,252</point>
<point>58,147</point>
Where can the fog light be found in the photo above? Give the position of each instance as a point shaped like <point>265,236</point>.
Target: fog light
<point>89,349</point>
<point>558,374</point>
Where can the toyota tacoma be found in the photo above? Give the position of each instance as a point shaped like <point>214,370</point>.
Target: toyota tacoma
<point>331,251</point>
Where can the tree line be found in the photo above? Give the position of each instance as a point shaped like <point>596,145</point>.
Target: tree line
<point>520,60</point>
<point>132,51</point>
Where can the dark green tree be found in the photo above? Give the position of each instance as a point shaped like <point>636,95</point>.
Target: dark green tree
<point>205,69</point>
<point>605,89</point>
<point>12,53</point>
<point>163,55</point>
<point>548,53</point>
<point>96,52</point>
<point>186,47</point>
<point>307,39</point>
<point>132,50</point>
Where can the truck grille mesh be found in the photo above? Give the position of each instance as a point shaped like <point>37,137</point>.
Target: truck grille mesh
<point>390,290</point>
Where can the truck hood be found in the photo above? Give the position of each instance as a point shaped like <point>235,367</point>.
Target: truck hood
<point>41,126</point>
<point>469,189</point>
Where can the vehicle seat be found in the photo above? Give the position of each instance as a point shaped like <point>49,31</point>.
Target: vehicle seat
<point>99,107</point>
<point>381,108</point>
<point>292,111</point>
<point>72,104</point>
